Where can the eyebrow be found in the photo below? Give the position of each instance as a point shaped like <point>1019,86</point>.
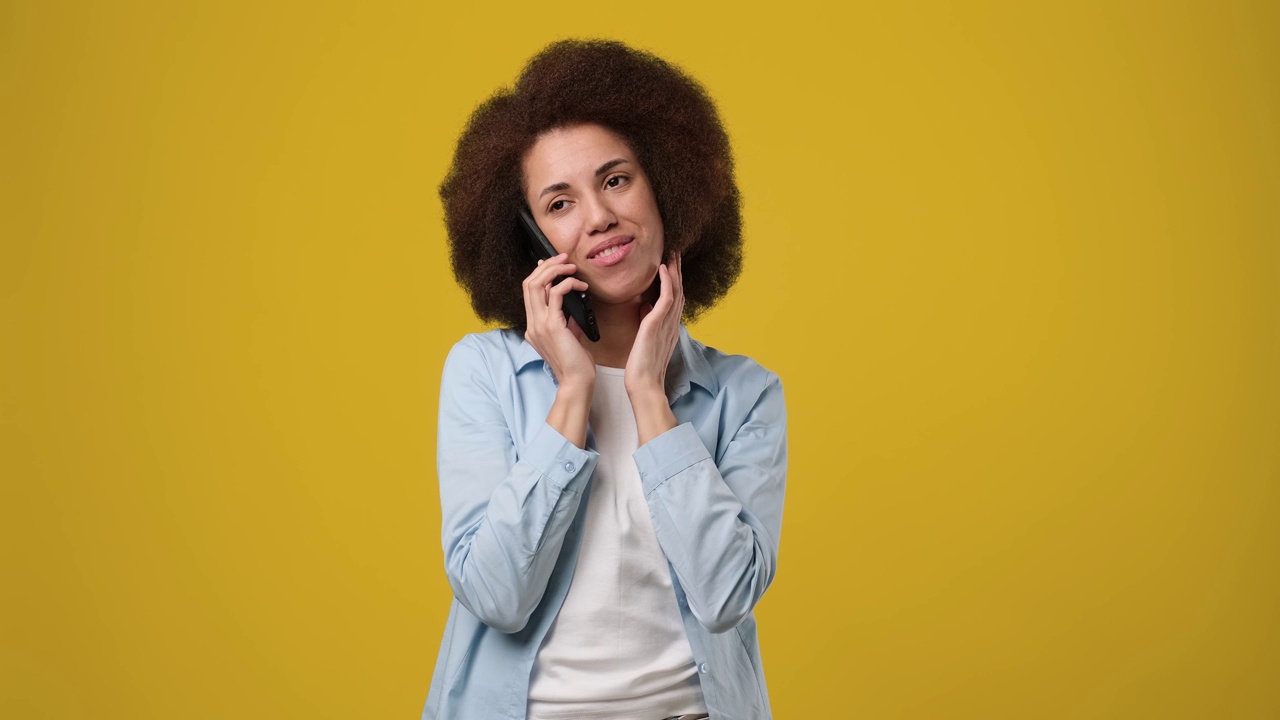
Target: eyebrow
<point>599,171</point>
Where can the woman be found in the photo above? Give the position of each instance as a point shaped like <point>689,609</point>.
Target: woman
<point>611,508</point>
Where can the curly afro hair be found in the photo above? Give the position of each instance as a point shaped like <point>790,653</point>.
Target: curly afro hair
<point>666,118</point>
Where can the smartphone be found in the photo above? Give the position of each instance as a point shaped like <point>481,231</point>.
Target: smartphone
<point>576,305</point>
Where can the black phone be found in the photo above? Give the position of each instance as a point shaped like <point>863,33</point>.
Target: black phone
<point>576,305</point>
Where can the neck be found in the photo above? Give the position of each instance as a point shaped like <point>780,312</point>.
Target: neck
<point>618,327</point>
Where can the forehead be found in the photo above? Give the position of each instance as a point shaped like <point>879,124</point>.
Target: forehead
<point>560,154</point>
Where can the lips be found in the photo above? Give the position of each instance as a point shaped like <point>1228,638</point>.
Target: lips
<point>611,251</point>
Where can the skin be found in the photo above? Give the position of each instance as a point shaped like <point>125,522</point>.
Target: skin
<point>586,190</point>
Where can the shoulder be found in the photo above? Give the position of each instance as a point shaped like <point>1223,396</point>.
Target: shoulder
<point>738,374</point>
<point>501,341</point>
<point>743,394</point>
<point>493,345</point>
<point>501,351</point>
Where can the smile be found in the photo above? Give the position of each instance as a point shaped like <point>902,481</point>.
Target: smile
<point>611,252</point>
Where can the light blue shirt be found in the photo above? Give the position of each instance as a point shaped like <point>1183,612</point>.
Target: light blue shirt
<point>512,492</point>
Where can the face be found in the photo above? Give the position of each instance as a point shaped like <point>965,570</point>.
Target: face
<point>593,201</point>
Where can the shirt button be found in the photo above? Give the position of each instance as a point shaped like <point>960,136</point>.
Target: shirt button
<point>569,468</point>
<point>702,668</point>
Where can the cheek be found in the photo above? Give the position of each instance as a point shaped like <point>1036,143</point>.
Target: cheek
<point>659,237</point>
<point>654,220</point>
<point>560,235</point>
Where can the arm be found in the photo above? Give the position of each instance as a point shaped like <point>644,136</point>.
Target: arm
<point>718,522</point>
<point>504,519</point>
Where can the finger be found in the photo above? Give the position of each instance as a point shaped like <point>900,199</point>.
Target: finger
<point>544,275</point>
<point>677,278</point>
<point>533,307</point>
<point>545,264</point>
<point>673,298</point>
<point>572,284</point>
<point>665,289</point>
<point>535,286</point>
<point>548,276</point>
<point>555,298</point>
<point>659,310</point>
<point>549,265</point>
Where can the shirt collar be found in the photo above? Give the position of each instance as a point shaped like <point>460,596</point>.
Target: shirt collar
<point>688,366</point>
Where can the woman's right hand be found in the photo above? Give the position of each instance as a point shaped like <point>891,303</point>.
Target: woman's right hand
<point>557,339</point>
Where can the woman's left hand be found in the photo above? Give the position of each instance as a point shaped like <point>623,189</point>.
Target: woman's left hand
<point>646,371</point>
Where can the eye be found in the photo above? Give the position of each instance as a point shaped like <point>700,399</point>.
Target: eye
<point>557,206</point>
<point>614,181</point>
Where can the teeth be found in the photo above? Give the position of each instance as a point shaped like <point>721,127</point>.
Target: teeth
<point>608,251</point>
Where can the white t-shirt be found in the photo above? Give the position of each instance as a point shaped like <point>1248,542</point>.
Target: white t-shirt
<point>617,648</point>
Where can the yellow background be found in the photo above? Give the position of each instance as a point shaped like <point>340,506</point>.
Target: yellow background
<point>1016,265</point>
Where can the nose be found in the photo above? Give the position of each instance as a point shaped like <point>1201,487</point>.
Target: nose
<point>600,216</point>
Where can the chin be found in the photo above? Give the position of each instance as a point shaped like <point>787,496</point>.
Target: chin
<point>616,290</point>
<point>618,295</point>
<point>614,298</point>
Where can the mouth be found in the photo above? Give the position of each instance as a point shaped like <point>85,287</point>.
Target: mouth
<point>611,251</point>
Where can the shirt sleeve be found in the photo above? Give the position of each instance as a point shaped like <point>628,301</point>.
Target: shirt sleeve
<point>504,517</point>
<point>718,522</point>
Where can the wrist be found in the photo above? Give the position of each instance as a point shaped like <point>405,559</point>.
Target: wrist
<point>571,411</point>
<point>579,379</point>
<point>653,416</point>
<point>577,388</point>
<point>645,390</point>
